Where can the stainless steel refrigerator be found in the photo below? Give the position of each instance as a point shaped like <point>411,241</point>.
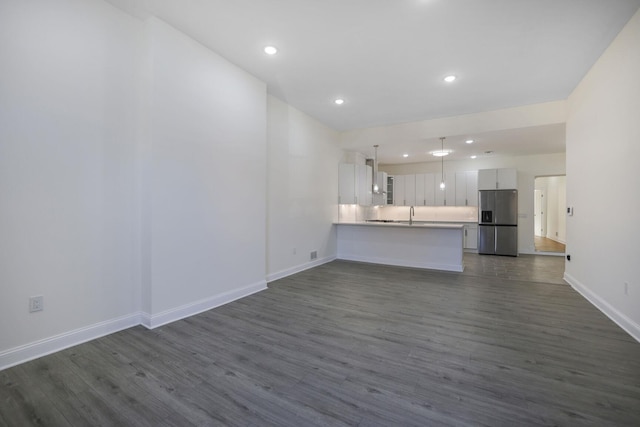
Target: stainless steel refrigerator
<point>498,222</point>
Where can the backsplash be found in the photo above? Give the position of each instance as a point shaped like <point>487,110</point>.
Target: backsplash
<point>354,213</point>
<point>427,213</point>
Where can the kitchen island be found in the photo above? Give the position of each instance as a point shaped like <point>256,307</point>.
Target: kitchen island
<point>437,246</point>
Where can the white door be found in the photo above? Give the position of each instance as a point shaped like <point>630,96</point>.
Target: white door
<point>539,208</point>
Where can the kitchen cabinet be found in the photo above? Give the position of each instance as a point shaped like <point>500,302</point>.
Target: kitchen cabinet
<point>409,190</point>
<point>425,189</point>
<point>390,190</point>
<point>380,199</point>
<point>446,197</point>
<point>364,185</point>
<point>498,179</point>
<point>471,236</point>
<point>347,184</point>
<point>354,184</point>
<point>398,190</point>
<point>467,188</point>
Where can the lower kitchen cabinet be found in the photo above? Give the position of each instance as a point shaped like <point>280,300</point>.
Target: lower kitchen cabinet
<point>471,236</point>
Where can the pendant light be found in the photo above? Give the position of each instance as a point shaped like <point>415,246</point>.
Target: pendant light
<point>442,185</point>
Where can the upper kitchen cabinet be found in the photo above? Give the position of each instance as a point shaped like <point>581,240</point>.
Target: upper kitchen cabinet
<point>497,179</point>
<point>347,184</point>
<point>355,184</point>
<point>467,188</point>
<point>398,190</point>
<point>380,199</point>
<point>425,189</point>
<point>446,197</point>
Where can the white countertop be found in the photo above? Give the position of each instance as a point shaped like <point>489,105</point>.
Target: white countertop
<point>416,224</point>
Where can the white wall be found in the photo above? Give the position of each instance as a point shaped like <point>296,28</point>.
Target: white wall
<point>302,190</point>
<point>528,168</point>
<point>132,172</point>
<point>67,169</point>
<point>603,134</point>
<point>206,179</point>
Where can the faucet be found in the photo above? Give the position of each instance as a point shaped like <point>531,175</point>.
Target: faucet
<point>412,212</point>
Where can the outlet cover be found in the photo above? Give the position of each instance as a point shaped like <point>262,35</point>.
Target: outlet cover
<point>313,255</point>
<point>36,303</point>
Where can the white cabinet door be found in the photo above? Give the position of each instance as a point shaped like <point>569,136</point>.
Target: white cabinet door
<point>498,179</point>
<point>487,179</point>
<point>467,188</point>
<point>450,189</point>
<point>471,236</point>
<point>472,188</point>
<point>461,189</point>
<point>430,189</point>
<point>380,199</point>
<point>439,192</point>
<point>507,179</point>
<point>410,190</point>
<point>420,194</point>
<point>347,184</point>
<point>398,190</point>
<point>364,185</point>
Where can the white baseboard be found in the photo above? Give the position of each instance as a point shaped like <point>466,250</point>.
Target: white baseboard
<point>403,263</point>
<point>629,326</point>
<point>34,350</point>
<point>191,309</point>
<point>298,268</point>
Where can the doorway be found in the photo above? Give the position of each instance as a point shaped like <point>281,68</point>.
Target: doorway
<point>550,200</point>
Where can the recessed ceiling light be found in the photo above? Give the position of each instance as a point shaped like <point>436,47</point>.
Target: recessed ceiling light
<point>474,157</point>
<point>405,155</point>
<point>469,141</point>
<point>339,101</point>
<point>449,79</point>
<point>270,50</point>
<point>441,153</point>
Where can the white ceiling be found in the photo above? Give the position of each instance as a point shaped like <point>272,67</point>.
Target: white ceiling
<point>387,58</point>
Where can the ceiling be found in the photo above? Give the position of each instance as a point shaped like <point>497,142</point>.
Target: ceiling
<point>387,58</point>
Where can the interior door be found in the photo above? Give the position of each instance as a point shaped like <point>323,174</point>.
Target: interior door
<point>540,223</point>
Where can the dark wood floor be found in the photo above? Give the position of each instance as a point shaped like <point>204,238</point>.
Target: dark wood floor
<point>505,343</point>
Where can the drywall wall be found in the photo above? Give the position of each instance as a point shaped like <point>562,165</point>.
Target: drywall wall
<point>132,172</point>
<point>528,168</point>
<point>468,124</point>
<point>302,190</point>
<point>603,131</point>
<point>205,176</point>
<point>67,173</point>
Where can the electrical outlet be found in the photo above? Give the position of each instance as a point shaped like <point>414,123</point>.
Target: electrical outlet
<point>313,255</point>
<point>626,288</point>
<point>36,303</point>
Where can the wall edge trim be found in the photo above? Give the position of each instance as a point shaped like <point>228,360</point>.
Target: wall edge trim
<point>299,268</point>
<point>628,325</point>
<point>151,321</point>
<point>50,345</point>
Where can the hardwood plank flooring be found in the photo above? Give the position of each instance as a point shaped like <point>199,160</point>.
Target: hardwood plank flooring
<point>544,244</point>
<point>507,342</point>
